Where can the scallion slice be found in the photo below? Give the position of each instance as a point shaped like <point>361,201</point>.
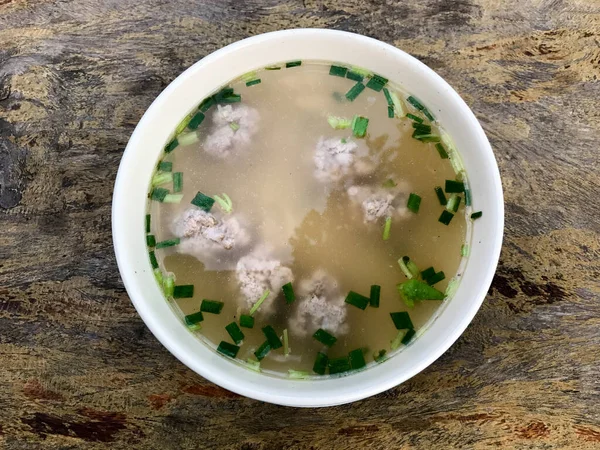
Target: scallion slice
<point>428,114</point>
<point>391,112</point>
<point>338,123</point>
<point>293,64</point>
<point>286,343</point>
<point>441,150</point>
<point>262,351</point>
<point>148,222</point>
<point>440,195</point>
<point>162,178</point>
<point>246,321</point>
<point>415,118</point>
<point>375,295</point>
<point>169,286</point>
<point>196,121</point>
<point>467,197</point>
<point>453,203</point>
<point>273,68</point>
<point>168,243</point>
<point>188,138</point>
<point>476,215</point>
<point>425,137</point>
<point>324,337</point>
<point>387,228</point>
<point>435,278</point>
<point>377,83</point>
<point>272,338</point>
<point>259,302</point>
<point>416,290</point>
<point>252,364</point>
<point>228,349</point>
<point>338,71</point>
<point>408,267</point>
<point>203,202</point>
<point>183,291</point>
<point>397,104</point>
<point>234,331</point>
<point>253,82</point>
<point>355,91</point>
<point>398,339</point>
<point>421,128</point>
<point>464,250</point>
<point>355,299</point>
<point>177,182</point>
<point>380,356</point>
<point>173,198</point>
<point>320,365</point>
<point>171,146</point>
<point>388,97</point>
<point>339,365</point>
<point>192,320</point>
<point>401,320</point>
<point>158,276</point>
<point>352,75</point>
<point>288,292</point>
<point>414,202</point>
<point>211,306</point>
<point>297,374</point>
<point>408,336</point>
<point>427,273</point>
<point>150,240</point>
<point>206,104</point>
<point>446,217</point>
<point>453,186</point>
<point>416,103</point>
<point>357,359</point>
<point>225,203</point>
<point>359,126</point>
<point>165,166</point>
<point>153,261</point>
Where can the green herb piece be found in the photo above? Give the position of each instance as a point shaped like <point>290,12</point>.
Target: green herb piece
<point>427,273</point>
<point>437,277</point>
<point>415,118</point>
<point>183,291</point>
<point>203,202</point>
<point>234,126</point>
<point>425,137</point>
<point>171,146</point>
<point>177,181</point>
<point>464,250</point>
<point>398,339</point>
<point>408,336</point>
<point>262,351</point>
<point>387,228</point>
<point>408,267</point>
<point>297,374</point>
<point>421,128</point>
<point>339,365</point>
<point>148,222</point>
<point>183,124</point>
<point>324,337</point>
<point>361,71</point>
<point>320,365</point>
<point>380,356</point>
<point>351,75</point>
<point>150,240</point>
<point>253,82</point>
<point>338,71</point>
<point>476,215</point>
<point>441,150</point>
<point>169,286</point>
<point>228,349</point>
<point>165,166</point>
<point>355,299</point>
<point>414,202</point>
<point>388,97</point>
<point>253,364</point>
<point>226,95</point>
<point>173,198</point>
<point>453,203</point>
<point>188,138</point>
<point>158,276</point>
<point>453,186</point>
<point>401,320</point>
<point>440,195</point>
<point>211,306</point>
<point>355,91</point>
<point>359,126</point>
<point>206,104</point>
<point>162,178</point>
<point>338,123</point>
<point>446,217</point>
<point>467,197</point>
<point>153,260</point>
<point>293,64</point>
<point>234,331</point>
<point>246,321</point>
<point>417,290</point>
<point>389,183</point>
<point>374,296</point>
<point>192,320</point>
<point>259,302</point>
<point>196,120</point>
<point>286,343</point>
<point>225,203</point>
<point>427,114</point>
<point>272,338</point>
<point>397,104</point>
<point>416,103</point>
<point>168,243</point>
<point>391,112</point>
<point>357,359</point>
<point>288,292</point>
<point>377,83</point>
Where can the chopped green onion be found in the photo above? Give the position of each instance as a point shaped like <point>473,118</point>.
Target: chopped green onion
<point>338,71</point>
<point>165,166</point>
<point>234,331</point>
<point>211,306</point>
<point>441,150</point>
<point>357,359</point>
<point>272,338</point>
<point>416,290</point>
<point>206,104</point>
<point>440,195</point>
<point>177,181</point>
<point>414,202</point>
<point>401,320</point>
<point>338,123</point>
<point>286,343</point>
<point>273,68</point>
<point>452,287</point>
<point>425,137</point>
<point>162,178</point>
<point>253,82</point>
<point>246,321</point>
<point>320,365</point>
<point>427,114</point>
<point>339,365</point>
<point>427,273</point>
<point>446,217</point>
<point>374,296</point>
<point>225,203</point>
<point>183,291</point>
<point>158,276</point>
<point>352,75</point>
<point>355,91</point>
<point>359,126</point>
<point>416,103</point>
<point>297,374</point>
<point>355,299</point>
<point>150,240</point>
<point>324,337</point>
<point>148,222</point>
<point>388,97</point>
<point>387,228</point>
<point>203,202</point>
<point>397,104</point>
<point>398,339</point>
<point>196,120</point>
<point>377,83</point>
<point>476,215</point>
<point>253,364</point>
<point>389,183</point>
<point>169,286</point>
<point>259,302</point>
<point>173,198</point>
<point>153,260</point>
<point>188,138</point>
<point>288,292</point>
<point>467,197</point>
<point>248,76</point>
<point>453,203</point>
<point>168,243</point>
<point>234,126</point>
<point>409,268</point>
<point>421,128</point>
<point>453,186</point>
<point>184,123</point>
<point>262,351</point>
<point>226,95</point>
<point>361,71</point>
<point>415,118</point>
<point>380,356</point>
<point>171,146</point>
<point>293,64</point>
<point>194,319</point>
<point>408,336</point>
<point>439,276</point>
<point>464,250</point>
<point>391,112</point>
<point>228,349</point>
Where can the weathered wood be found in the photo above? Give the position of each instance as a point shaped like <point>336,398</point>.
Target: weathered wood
<point>78,368</point>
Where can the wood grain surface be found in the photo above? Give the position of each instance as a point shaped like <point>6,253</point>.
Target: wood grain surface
<point>78,367</point>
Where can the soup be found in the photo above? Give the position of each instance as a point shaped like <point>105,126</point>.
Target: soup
<point>308,219</point>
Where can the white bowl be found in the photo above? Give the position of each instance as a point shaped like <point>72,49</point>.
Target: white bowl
<point>200,80</point>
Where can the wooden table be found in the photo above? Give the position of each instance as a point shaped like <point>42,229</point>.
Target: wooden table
<point>78,367</point>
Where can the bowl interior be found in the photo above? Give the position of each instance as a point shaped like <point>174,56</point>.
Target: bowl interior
<point>183,94</point>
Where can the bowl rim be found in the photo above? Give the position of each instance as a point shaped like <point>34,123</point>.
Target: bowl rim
<point>133,266</point>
